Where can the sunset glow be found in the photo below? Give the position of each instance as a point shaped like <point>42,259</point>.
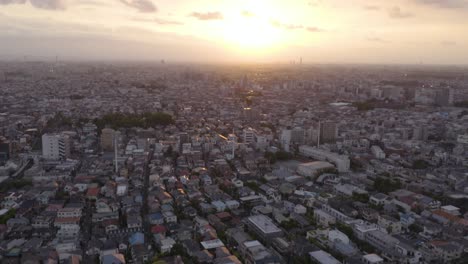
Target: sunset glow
<point>226,30</point>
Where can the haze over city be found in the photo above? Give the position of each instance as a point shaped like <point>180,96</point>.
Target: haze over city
<point>233,132</point>
<point>319,31</point>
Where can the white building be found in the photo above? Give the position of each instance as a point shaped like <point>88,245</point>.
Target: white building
<point>312,169</point>
<point>323,257</point>
<point>341,162</point>
<point>285,139</point>
<point>249,135</point>
<point>55,146</point>
<point>378,152</point>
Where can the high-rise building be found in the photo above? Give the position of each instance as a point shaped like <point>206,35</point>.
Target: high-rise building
<point>55,146</point>
<point>298,136</point>
<point>249,135</point>
<point>328,132</point>
<point>443,97</point>
<point>420,133</point>
<point>285,139</point>
<point>107,139</point>
<point>250,114</point>
<point>5,149</point>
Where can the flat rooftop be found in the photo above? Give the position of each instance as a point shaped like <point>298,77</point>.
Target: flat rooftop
<point>264,223</point>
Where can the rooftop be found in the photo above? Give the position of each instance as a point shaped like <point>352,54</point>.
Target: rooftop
<point>264,223</point>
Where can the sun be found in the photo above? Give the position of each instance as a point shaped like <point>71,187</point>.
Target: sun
<point>251,33</point>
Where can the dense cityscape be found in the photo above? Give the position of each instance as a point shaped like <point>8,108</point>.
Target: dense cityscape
<point>171,163</point>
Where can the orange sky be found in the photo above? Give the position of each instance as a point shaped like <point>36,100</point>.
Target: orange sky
<point>320,31</point>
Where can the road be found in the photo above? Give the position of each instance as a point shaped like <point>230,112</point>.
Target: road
<point>144,208</point>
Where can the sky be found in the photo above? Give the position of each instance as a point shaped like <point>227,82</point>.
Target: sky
<point>250,31</point>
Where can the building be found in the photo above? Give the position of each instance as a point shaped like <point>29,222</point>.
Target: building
<point>372,259</point>
<point>312,169</point>
<point>380,240</point>
<point>377,152</point>
<point>249,135</point>
<point>264,227</point>
<point>341,162</point>
<point>298,136</point>
<point>55,146</point>
<point>323,257</point>
<point>328,132</point>
<point>285,139</point>
<point>420,133</point>
<point>5,149</point>
<point>107,139</point>
<point>443,97</point>
<point>255,252</point>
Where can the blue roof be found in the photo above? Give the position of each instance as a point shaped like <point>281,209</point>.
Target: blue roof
<point>136,239</point>
<point>156,216</point>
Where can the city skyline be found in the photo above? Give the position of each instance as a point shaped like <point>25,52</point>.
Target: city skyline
<point>358,31</point>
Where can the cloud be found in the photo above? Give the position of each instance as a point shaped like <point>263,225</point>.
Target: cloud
<point>278,24</point>
<point>8,2</point>
<point>371,7</point>
<point>48,4</point>
<point>377,39</point>
<point>207,15</point>
<point>448,43</point>
<point>162,21</point>
<point>315,3</point>
<point>444,3</point>
<point>396,12</point>
<point>42,4</point>
<point>247,13</point>
<point>314,29</point>
<point>143,6</point>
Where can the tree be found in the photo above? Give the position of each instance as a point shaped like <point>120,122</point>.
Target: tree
<point>415,228</point>
<point>10,214</point>
<point>386,185</point>
<point>420,164</point>
<point>360,197</point>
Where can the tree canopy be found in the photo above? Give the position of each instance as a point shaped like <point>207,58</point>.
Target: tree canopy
<point>125,120</point>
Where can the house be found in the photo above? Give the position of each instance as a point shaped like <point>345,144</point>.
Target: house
<point>323,218</point>
<point>59,222</point>
<point>156,218</point>
<point>115,258</point>
<point>323,257</point>
<point>140,253</point>
<point>134,221</point>
<point>17,221</point>
<point>256,252</point>
<point>169,217</point>
<point>372,259</point>
<point>69,212</point>
<point>164,197</point>
<point>379,199</point>
<point>300,209</point>
<point>111,225</point>
<point>166,244</point>
<point>446,251</point>
<point>232,204</point>
<point>392,225</point>
<point>219,206</point>
<point>68,231</point>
